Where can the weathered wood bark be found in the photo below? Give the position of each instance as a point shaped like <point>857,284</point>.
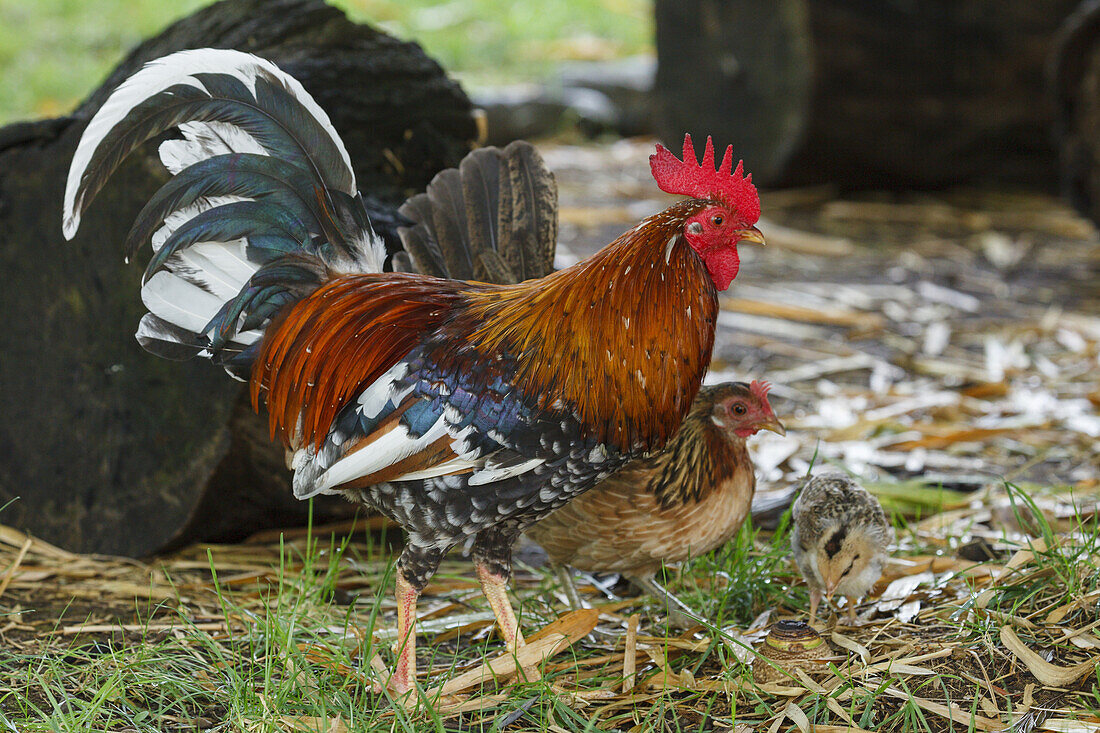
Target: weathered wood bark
<point>865,93</point>
<point>112,450</point>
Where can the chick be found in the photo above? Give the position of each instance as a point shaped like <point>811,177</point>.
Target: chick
<point>680,502</point>
<point>840,540</point>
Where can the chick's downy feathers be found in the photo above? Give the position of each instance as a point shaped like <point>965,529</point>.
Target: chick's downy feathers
<point>840,539</point>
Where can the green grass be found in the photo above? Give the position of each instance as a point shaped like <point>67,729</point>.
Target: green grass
<point>297,659</point>
<point>54,52</point>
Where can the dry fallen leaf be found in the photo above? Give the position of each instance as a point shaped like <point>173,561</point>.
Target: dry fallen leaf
<point>1047,673</point>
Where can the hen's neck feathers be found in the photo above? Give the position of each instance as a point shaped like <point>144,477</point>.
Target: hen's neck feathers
<point>700,459</point>
<point>623,338</point>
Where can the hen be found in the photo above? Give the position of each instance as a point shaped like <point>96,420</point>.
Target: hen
<point>460,410</point>
<point>839,538</point>
<point>681,502</point>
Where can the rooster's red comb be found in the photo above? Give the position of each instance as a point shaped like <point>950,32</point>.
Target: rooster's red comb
<point>702,181</point>
<point>760,390</point>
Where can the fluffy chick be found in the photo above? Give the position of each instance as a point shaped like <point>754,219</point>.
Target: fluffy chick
<point>680,502</point>
<point>840,540</point>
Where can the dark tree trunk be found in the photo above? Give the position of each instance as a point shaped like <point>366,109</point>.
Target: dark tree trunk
<point>865,93</point>
<point>110,449</point>
<point>1075,76</point>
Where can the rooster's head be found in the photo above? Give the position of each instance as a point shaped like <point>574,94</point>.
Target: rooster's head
<point>728,205</point>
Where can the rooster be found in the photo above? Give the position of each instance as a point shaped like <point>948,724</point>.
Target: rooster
<point>459,409</point>
<point>680,502</point>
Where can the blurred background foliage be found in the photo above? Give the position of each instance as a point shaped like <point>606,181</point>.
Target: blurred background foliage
<point>54,52</point>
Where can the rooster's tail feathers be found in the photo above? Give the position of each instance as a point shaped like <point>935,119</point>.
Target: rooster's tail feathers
<point>493,219</point>
<point>263,189</point>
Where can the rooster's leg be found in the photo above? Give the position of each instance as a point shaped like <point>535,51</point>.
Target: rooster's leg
<point>414,567</point>
<point>493,559</point>
<point>495,587</point>
<point>404,674</point>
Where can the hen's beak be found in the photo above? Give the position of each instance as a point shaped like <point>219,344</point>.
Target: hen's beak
<point>773,425</point>
<point>752,234</point>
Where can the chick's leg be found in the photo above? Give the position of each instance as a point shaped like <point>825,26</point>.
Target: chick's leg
<point>815,599</point>
<point>850,610</point>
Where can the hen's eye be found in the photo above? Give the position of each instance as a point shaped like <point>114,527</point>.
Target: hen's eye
<point>717,220</point>
<point>738,409</point>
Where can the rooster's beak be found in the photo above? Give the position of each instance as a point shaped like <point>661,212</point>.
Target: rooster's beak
<point>773,425</point>
<point>752,234</point>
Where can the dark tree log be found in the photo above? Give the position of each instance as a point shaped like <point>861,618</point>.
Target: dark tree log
<point>110,449</point>
<point>865,93</point>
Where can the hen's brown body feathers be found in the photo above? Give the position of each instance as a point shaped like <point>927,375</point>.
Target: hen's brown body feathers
<point>682,502</point>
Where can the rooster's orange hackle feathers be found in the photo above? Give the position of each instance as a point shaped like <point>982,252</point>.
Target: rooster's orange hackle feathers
<point>637,294</point>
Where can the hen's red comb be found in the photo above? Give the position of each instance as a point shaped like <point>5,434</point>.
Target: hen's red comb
<point>760,390</point>
<point>702,181</point>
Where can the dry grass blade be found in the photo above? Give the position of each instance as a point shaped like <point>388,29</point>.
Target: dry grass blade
<point>952,712</point>
<point>556,636</point>
<point>798,717</point>
<point>1047,673</point>
<point>630,657</point>
<point>15,538</point>
<point>15,565</point>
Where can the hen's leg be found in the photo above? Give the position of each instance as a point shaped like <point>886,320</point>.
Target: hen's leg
<point>679,613</point>
<point>415,566</point>
<point>565,577</point>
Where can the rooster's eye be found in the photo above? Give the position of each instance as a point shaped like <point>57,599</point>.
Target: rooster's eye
<point>738,409</point>
<point>717,220</point>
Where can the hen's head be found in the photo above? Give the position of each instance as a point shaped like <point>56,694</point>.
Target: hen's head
<point>742,409</point>
<point>729,205</point>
